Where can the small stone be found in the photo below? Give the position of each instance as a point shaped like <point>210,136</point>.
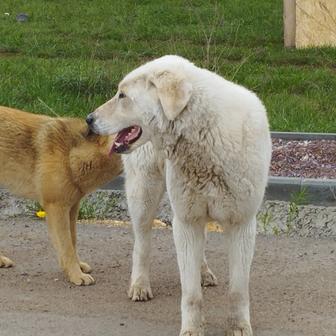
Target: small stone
<point>22,17</point>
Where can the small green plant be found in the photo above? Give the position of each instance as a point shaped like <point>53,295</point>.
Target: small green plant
<point>300,197</point>
<point>276,231</point>
<point>293,211</point>
<point>96,207</point>
<point>87,209</point>
<point>33,206</point>
<point>265,219</point>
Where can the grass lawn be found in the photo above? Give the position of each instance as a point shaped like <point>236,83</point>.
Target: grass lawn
<point>70,55</point>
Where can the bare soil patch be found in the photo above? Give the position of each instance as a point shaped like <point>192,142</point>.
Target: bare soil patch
<point>292,285</point>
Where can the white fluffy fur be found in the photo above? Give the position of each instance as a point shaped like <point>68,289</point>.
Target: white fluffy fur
<point>209,143</point>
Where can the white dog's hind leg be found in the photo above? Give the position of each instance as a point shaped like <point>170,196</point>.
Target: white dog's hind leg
<point>241,248</point>
<point>144,193</point>
<point>189,240</point>
<point>207,276</point>
<point>208,279</point>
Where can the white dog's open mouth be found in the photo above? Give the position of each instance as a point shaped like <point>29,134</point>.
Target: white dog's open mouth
<point>125,138</point>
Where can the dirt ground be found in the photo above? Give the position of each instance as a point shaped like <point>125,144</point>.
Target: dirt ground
<point>293,286</point>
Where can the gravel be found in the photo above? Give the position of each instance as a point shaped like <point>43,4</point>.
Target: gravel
<point>274,218</point>
<point>304,158</point>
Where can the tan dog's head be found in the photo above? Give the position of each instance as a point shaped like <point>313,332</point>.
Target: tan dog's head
<point>150,95</point>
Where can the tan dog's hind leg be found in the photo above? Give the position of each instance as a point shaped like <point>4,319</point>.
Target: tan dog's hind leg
<point>86,268</point>
<point>60,233</point>
<point>5,262</point>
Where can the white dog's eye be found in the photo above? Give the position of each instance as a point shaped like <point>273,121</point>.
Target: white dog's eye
<point>122,95</point>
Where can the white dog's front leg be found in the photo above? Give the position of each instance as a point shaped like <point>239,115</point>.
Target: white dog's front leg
<point>189,240</point>
<point>144,194</point>
<point>241,248</point>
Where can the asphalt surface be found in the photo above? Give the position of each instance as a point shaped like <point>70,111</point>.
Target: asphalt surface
<point>293,286</point>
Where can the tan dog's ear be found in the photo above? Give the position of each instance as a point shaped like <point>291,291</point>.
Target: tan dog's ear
<point>174,92</point>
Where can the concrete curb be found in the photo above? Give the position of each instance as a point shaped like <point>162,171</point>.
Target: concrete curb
<point>274,217</point>
<point>313,191</point>
<point>303,136</point>
<point>317,191</point>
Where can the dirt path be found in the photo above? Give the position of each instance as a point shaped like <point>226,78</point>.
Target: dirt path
<point>293,286</point>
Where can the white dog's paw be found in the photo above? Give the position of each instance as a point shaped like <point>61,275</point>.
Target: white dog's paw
<point>242,328</point>
<point>198,332</point>
<point>5,262</point>
<point>140,291</point>
<point>208,279</point>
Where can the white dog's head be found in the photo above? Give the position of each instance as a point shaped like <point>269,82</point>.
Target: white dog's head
<point>154,93</point>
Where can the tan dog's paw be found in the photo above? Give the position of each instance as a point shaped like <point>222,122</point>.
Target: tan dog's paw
<point>5,262</point>
<point>86,268</point>
<point>208,279</point>
<point>240,329</point>
<point>81,279</point>
<point>140,292</point>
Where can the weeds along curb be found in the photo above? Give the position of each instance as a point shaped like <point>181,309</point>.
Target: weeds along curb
<point>274,217</point>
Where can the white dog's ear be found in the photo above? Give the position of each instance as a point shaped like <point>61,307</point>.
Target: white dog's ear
<point>174,92</point>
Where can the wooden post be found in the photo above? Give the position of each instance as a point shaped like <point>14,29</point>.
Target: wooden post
<point>289,18</point>
<point>315,23</point>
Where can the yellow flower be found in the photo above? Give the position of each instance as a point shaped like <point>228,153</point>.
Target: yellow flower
<point>41,214</point>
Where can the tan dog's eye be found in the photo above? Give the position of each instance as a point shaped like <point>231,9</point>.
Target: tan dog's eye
<point>122,95</point>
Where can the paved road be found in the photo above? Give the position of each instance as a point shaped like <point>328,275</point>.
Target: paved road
<point>293,286</point>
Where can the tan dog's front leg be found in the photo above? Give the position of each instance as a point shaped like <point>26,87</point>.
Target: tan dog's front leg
<point>58,218</point>
<point>86,268</point>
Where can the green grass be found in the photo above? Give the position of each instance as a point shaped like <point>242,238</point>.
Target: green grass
<point>70,55</point>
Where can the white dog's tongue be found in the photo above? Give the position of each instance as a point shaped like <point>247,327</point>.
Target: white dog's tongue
<point>124,138</point>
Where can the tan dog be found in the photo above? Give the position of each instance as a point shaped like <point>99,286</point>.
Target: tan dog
<point>56,162</point>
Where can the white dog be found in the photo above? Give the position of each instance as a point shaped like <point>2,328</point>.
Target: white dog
<point>210,142</point>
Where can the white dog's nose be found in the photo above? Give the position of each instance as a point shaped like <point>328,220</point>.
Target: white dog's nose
<point>90,119</point>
